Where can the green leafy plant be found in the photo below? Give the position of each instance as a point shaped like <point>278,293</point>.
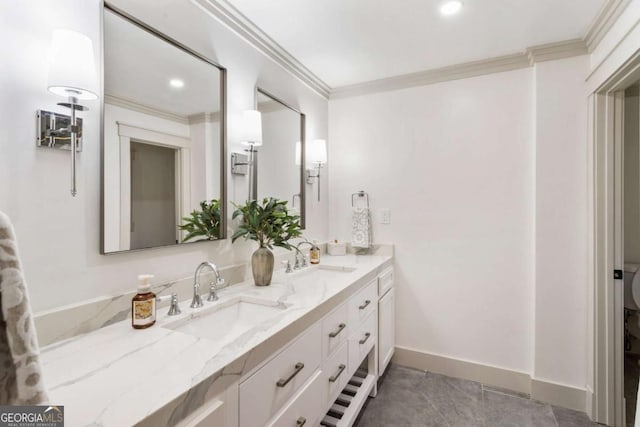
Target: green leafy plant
<point>268,223</point>
<point>204,222</point>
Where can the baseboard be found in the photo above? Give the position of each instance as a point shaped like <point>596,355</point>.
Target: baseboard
<point>521,382</point>
<point>558,394</point>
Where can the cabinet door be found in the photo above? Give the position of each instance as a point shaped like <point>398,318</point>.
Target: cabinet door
<point>386,329</point>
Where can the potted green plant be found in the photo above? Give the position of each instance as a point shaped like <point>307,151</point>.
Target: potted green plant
<point>203,223</point>
<point>270,224</point>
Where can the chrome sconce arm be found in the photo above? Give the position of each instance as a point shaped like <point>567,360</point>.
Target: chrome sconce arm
<point>315,174</point>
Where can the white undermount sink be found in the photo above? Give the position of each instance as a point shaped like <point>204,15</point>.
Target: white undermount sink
<point>228,320</point>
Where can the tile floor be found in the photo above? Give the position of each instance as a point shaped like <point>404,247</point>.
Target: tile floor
<point>407,397</point>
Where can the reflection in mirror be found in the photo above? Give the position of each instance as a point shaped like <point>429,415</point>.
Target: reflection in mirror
<point>279,166</point>
<point>163,127</point>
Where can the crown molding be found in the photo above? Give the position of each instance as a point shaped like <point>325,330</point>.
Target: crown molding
<point>236,21</point>
<point>528,58</point>
<point>422,78</point>
<point>560,50</point>
<point>607,16</point>
<point>145,109</point>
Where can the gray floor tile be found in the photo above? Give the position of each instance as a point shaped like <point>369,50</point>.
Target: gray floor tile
<point>568,418</point>
<point>401,402</point>
<point>407,397</point>
<point>510,411</point>
<point>459,402</point>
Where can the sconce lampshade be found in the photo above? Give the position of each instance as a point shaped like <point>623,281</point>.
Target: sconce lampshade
<point>251,128</point>
<point>318,151</point>
<point>298,153</point>
<point>71,66</point>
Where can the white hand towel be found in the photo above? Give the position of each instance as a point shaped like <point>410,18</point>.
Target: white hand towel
<point>361,228</point>
<point>21,375</point>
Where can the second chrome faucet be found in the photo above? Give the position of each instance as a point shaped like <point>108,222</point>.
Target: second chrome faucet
<point>196,302</point>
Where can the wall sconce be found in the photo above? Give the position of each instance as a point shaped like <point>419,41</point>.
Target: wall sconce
<point>251,135</point>
<point>72,75</point>
<point>317,156</point>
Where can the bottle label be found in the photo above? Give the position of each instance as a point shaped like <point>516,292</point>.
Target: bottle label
<point>144,312</point>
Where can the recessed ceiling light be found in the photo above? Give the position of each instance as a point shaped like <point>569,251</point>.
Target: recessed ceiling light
<point>450,7</point>
<point>177,83</point>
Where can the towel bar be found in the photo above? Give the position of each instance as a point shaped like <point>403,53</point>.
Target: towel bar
<point>360,194</point>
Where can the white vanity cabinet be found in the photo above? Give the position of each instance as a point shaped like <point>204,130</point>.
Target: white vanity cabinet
<point>386,319</point>
<point>302,382</point>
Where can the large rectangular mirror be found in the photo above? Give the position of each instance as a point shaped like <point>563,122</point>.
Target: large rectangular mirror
<point>280,170</point>
<point>163,141</point>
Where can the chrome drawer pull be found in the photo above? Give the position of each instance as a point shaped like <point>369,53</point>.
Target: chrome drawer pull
<point>335,377</point>
<point>282,383</point>
<point>366,303</point>
<point>341,326</point>
<point>366,337</point>
<point>301,421</point>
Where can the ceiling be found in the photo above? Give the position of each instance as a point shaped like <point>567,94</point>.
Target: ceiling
<point>345,42</point>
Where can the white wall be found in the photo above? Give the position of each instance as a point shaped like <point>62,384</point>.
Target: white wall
<point>454,162</point>
<point>561,221</point>
<point>486,181</point>
<point>59,235</point>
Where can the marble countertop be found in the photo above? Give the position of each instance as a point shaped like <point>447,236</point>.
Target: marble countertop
<point>117,376</point>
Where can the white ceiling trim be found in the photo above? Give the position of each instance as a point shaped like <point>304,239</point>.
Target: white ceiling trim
<point>528,58</point>
<point>234,19</point>
<point>604,21</point>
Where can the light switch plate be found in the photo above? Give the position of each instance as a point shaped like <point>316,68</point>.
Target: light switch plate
<point>385,216</point>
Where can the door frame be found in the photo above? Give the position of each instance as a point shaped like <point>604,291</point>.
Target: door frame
<point>182,145</point>
<point>606,106</point>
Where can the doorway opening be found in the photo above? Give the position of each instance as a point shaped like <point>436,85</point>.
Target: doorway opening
<point>631,250</point>
<point>616,221</point>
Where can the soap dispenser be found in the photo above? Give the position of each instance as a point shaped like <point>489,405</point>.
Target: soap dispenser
<point>143,304</point>
<point>314,254</point>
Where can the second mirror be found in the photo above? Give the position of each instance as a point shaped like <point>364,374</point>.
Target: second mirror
<point>278,165</point>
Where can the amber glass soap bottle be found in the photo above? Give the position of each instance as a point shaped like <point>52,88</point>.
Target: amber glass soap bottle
<point>143,304</point>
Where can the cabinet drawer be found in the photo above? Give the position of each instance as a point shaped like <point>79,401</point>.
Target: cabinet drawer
<point>266,391</point>
<point>335,372</point>
<point>305,409</point>
<point>335,330</point>
<point>385,281</point>
<point>361,342</point>
<point>362,304</point>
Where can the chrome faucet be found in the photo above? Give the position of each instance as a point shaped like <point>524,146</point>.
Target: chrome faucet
<point>197,299</point>
<point>302,264</point>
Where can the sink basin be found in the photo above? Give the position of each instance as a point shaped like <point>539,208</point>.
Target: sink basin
<point>228,320</point>
<point>338,268</point>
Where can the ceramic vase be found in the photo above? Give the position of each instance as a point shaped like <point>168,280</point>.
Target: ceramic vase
<point>262,266</point>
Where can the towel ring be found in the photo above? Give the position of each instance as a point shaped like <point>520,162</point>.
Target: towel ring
<point>360,194</point>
